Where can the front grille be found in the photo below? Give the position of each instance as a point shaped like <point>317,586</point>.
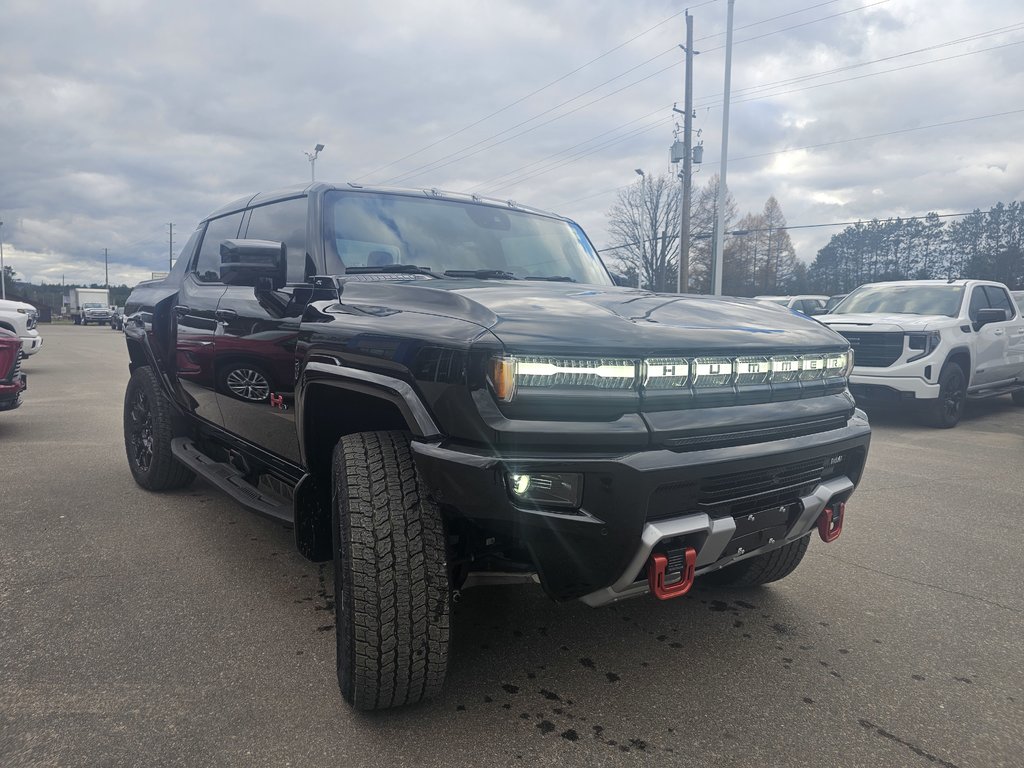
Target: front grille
<point>759,435</point>
<point>739,492</point>
<point>875,349</point>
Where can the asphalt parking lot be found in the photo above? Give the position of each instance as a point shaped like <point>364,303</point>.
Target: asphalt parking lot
<point>179,629</point>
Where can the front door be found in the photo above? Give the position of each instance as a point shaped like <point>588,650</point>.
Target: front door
<point>255,343</point>
<point>196,321</point>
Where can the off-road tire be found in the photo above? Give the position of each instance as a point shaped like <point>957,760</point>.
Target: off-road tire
<point>149,427</point>
<point>947,409</point>
<point>391,585</point>
<point>1018,397</point>
<point>762,569</point>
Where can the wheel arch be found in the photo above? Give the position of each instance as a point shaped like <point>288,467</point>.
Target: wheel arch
<point>333,401</point>
<point>962,357</point>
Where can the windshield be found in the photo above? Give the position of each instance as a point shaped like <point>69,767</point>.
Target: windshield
<point>372,230</point>
<point>903,300</point>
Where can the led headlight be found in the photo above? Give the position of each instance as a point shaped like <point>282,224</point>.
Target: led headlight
<point>752,370</point>
<point>785,368</point>
<point>508,374</point>
<point>812,367</point>
<point>925,343</point>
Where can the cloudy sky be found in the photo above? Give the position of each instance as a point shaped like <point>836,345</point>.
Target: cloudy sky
<point>119,117</point>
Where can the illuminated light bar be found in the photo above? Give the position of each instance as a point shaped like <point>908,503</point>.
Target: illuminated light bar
<point>562,372</point>
<point>812,367</point>
<point>753,370</point>
<point>785,368</point>
<point>712,371</point>
<point>666,372</point>
<point>508,374</point>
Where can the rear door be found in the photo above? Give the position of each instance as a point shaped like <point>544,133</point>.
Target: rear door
<point>196,322</point>
<point>255,344</point>
<point>1012,364</point>
<point>990,343</point>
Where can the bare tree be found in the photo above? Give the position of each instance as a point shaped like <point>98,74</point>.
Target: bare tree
<point>643,225</point>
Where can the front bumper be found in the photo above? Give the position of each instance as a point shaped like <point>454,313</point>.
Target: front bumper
<point>874,388</point>
<point>634,502</point>
<point>10,394</point>
<point>31,344</point>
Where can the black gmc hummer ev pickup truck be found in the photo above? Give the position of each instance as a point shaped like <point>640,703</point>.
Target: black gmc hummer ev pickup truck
<point>441,391</point>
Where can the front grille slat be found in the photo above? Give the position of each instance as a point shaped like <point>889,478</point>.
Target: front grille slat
<point>875,349</point>
<point>737,493</point>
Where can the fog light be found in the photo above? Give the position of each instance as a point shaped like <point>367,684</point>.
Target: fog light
<point>546,488</point>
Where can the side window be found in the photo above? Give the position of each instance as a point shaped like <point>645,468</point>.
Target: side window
<point>284,222</point>
<point>978,301</point>
<point>997,298</point>
<point>207,267</point>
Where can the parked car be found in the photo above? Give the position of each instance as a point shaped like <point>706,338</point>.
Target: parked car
<point>933,343</point>
<point>807,304</point>
<point>441,391</point>
<point>20,319</point>
<point>833,301</point>
<point>117,318</point>
<point>12,380</point>
<point>1018,296</point>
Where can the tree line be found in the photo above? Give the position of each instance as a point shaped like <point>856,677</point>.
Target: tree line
<point>759,257</point>
<point>983,245</point>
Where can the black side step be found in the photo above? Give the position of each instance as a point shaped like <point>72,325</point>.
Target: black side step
<point>983,394</point>
<point>229,480</point>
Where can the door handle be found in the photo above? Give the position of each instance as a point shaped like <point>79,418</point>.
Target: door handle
<point>181,310</point>
<point>225,315</point>
<point>998,332</point>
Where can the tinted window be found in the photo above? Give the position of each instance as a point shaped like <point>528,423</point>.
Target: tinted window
<point>978,301</point>
<point>909,299</point>
<point>283,222</point>
<point>997,298</point>
<point>374,230</point>
<point>217,231</point>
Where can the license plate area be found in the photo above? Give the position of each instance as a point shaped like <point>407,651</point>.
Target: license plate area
<point>762,528</point>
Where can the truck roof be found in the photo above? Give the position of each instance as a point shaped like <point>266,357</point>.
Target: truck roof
<point>431,192</point>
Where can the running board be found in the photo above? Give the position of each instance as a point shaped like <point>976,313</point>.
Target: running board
<point>229,480</point>
<point>983,394</point>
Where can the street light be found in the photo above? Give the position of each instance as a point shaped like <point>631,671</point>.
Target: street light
<point>312,160</point>
<point>639,172</point>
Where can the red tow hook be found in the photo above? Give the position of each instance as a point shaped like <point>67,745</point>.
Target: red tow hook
<point>830,524</point>
<point>656,575</point>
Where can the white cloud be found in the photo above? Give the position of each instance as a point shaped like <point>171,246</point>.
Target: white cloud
<point>118,118</point>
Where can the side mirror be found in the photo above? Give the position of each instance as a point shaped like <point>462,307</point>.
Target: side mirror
<point>255,263</point>
<point>989,315</point>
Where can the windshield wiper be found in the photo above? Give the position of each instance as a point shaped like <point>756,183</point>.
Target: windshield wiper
<point>552,278</point>
<point>411,269</point>
<point>480,274</point>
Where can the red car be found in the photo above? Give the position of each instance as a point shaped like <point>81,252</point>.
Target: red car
<point>12,380</point>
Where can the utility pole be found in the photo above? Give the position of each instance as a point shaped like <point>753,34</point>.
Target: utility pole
<point>683,273</point>
<point>106,278</point>
<point>720,237</point>
<point>170,247</point>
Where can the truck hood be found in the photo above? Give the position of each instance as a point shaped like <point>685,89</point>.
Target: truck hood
<point>572,318</point>
<point>884,322</point>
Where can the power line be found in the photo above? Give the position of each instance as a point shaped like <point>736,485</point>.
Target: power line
<point>458,155</point>
<point>880,135</point>
<point>532,93</point>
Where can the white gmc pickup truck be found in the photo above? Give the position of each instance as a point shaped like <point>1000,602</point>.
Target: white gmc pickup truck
<point>20,319</point>
<point>933,343</point>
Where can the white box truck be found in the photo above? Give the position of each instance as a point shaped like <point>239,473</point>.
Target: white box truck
<point>89,305</point>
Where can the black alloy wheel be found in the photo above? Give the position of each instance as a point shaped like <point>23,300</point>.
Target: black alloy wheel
<point>948,408</point>
<point>149,426</point>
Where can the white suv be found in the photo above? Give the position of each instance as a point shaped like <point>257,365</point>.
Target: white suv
<point>936,342</point>
<point>809,304</point>
<point>20,318</point>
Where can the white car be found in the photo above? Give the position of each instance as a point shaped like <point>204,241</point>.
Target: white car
<point>20,318</point>
<point>808,304</point>
<point>933,342</point>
